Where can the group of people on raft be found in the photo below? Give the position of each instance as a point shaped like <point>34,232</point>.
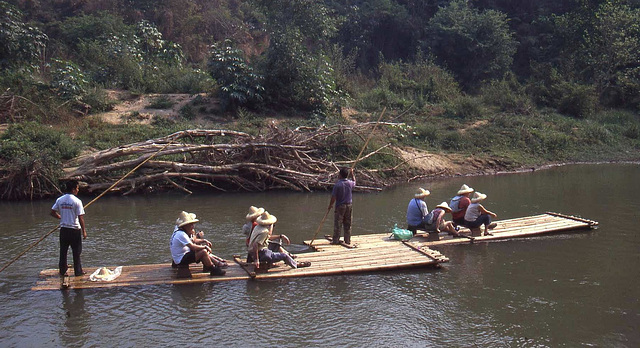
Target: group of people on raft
<point>263,247</point>
<point>465,211</point>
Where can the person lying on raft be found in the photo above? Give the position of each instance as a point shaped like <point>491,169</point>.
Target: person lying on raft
<point>435,222</point>
<point>477,215</point>
<point>184,251</point>
<point>259,248</point>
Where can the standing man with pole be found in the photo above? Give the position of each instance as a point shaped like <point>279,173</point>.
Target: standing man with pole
<point>342,197</point>
<point>68,208</point>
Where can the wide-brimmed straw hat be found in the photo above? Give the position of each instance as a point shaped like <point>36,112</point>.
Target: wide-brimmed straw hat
<point>464,189</point>
<point>186,218</point>
<point>266,219</point>
<point>421,193</point>
<point>477,197</point>
<point>444,206</point>
<point>254,212</point>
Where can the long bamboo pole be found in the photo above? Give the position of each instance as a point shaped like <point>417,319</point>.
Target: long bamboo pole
<point>86,206</point>
<point>352,166</point>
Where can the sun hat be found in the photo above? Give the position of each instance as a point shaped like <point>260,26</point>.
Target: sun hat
<point>421,193</point>
<point>477,197</point>
<point>186,218</point>
<point>464,189</point>
<point>266,219</point>
<point>105,274</point>
<point>254,212</point>
<point>444,206</point>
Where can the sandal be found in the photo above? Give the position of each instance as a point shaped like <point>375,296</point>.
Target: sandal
<point>304,264</point>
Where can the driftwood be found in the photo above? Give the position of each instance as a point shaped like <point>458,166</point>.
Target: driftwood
<point>302,159</point>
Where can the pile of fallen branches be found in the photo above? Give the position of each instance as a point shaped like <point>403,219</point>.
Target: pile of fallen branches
<point>302,159</point>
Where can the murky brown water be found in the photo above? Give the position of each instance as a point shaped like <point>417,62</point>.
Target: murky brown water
<point>561,290</point>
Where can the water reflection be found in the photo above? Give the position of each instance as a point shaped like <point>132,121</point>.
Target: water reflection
<point>76,323</point>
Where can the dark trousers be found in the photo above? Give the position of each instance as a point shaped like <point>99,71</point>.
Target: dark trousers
<point>342,217</point>
<point>70,237</point>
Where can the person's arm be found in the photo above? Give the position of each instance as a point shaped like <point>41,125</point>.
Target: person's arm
<point>84,231</point>
<point>55,214</point>
<point>196,247</point>
<point>353,175</point>
<point>197,239</point>
<point>439,220</point>
<point>333,200</point>
<point>485,211</point>
<point>284,237</point>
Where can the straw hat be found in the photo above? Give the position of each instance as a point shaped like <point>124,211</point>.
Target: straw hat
<point>421,193</point>
<point>477,197</point>
<point>464,189</point>
<point>186,218</point>
<point>444,206</point>
<point>103,272</point>
<point>266,219</point>
<point>254,212</point>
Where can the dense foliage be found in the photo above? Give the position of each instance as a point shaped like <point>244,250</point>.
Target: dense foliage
<point>444,65</point>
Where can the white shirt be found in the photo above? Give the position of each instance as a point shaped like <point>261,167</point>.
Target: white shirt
<point>179,245</point>
<point>69,207</point>
<point>473,212</point>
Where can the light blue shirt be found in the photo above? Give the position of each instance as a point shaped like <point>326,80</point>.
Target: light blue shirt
<point>416,211</point>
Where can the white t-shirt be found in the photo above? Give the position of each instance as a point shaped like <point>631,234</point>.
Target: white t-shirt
<point>179,245</point>
<point>473,212</point>
<point>69,207</point>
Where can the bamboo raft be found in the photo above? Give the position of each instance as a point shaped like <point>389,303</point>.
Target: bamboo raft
<point>372,253</point>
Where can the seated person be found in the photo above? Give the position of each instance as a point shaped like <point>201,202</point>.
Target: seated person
<point>258,250</point>
<point>417,210</point>
<point>184,251</point>
<point>199,239</point>
<point>435,222</point>
<point>477,215</point>
<point>251,223</point>
<point>459,205</point>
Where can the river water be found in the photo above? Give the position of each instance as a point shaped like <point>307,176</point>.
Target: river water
<point>575,289</point>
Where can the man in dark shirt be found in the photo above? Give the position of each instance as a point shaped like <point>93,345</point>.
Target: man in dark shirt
<point>341,196</point>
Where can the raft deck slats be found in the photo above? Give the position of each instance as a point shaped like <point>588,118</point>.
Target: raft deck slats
<point>374,252</point>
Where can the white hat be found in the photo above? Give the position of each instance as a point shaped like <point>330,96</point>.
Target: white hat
<point>477,197</point>
<point>464,189</point>
<point>186,218</point>
<point>254,212</point>
<point>266,219</point>
<point>444,206</point>
<point>421,193</point>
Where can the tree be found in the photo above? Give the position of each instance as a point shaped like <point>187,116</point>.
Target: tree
<point>239,85</point>
<point>474,45</point>
<point>297,70</point>
<point>21,45</point>
<point>611,52</point>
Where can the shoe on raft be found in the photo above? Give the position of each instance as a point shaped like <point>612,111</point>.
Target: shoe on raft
<point>492,225</point>
<point>217,271</point>
<point>304,264</point>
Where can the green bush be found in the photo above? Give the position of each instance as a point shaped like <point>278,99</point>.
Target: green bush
<point>464,107</point>
<point>31,157</point>
<point>98,99</point>
<point>508,95</point>
<point>161,102</point>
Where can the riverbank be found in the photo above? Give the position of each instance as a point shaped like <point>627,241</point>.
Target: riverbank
<point>406,146</point>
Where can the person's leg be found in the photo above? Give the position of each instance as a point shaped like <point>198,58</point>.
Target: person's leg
<point>275,257</point>
<point>76,249</point>
<point>346,222</point>
<point>448,227</point>
<point>64,248</point>
<point>337,222</point>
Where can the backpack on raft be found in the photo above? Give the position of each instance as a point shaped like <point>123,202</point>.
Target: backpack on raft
<point>400,233</point>
<point>455,204</point>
